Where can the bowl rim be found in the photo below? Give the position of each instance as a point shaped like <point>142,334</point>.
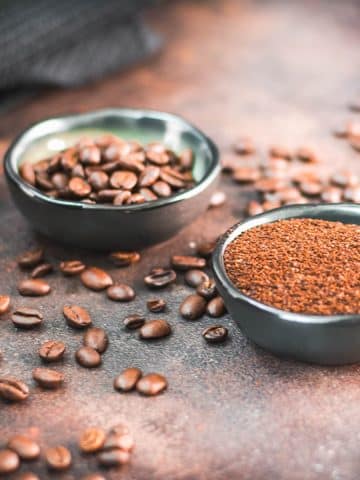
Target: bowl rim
<point>289,212</point>
<point>70,121</point>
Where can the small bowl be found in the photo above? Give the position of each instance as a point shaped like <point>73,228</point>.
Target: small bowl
<point>106,227</point>
<point>322,339</point>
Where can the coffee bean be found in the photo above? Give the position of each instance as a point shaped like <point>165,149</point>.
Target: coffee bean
<point>274,165</point>
<point>96,279</point>
<point>185,262</point>
<point>122,198</point>
<point>124,259</point>
<point>79,187</point>
<point>160,277</point>
<point>28,476</point>
<point>59,180</point>
<point>93,476</point>
<point>24,446</point>
<point>27,173</point>
<point>120,292</point>
<point>215,334</point>
<point>216,307</point>
<point>58,458</point>
<point>72,267</point>
<point>151,384</point>
<point>117,439</point>
<point>127,379</point>
<point>289,194</point>
<point>77,316</point>
<point>98,180</point>
<point>13,390</point>
<point>113,458</point>
<point>31,258</point>
<point>270,205</point>
<point>352,194</point>
<point>9,461</point>
<point>344,178</point>
<point>148,195</point>
<point>33,287</point>
<point>217,199</point>
<point>193,307</point>
<point>149,176</point>
<point>161,189</point>
<point>134,321</point>
<point>186,159</point>
<point>90,155</point>
<point>311,189</point>
<point>280,151</point>
<point>207,289</point>
<point>246,174</point>
<point>155,329</point>
<point>42,270</point>
<point>355,143</point>
<point>52,350</point>
<point>331,194</point>
<point>48,378</point>
<point>270,184</point>
<point>156,305</point>
<point>195,277</point>
<point>97,339</point>
<point>25,317</point>
<point>92,440</point>
<point>206,248</point>
<point>123,179</point>
<point>88,357</point>
<point>108,195</point>
<point>244,146</point>
<point>119,429</point>
<point>305,154</point>
<point>254,208</point>
<point>4,303</point>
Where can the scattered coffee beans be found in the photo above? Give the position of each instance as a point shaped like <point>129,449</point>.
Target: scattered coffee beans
<point>193,307</point>
<point>48,378</point>
<point>4,303</point>
<point>134,321</point>
<point>155,329</point>
<point>96,279</point>
<point>156,305</point>
<point>124,259</point>
<point>127,379</point>
<point>184,262</point>
<point>42,270</point>
<point>52,351</point>
<point>76,316</point>
<point>151,384</point>
<point>24,446</point>
<point>92,440</point>
<point>160,278</point>
<point>215,334</point>
<point>9,461</point>
<point>97,339</point>
<point>26,318</point>
<point>120,292</point>
<point>72,267</point>
<point>88,357</point>
<point>13,390</point>
<point>58,458</point>
<point>33,287</point>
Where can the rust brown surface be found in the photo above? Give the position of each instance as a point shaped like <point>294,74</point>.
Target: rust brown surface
<point>280,72</point>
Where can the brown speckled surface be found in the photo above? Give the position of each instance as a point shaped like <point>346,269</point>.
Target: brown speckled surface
<point>281,72</point>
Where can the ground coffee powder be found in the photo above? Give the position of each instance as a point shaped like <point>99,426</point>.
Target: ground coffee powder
<point>299,265</point>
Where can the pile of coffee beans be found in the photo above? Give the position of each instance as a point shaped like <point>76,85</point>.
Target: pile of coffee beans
<point>109,169</point>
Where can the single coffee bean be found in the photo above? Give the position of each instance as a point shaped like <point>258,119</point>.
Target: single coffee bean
<point>270,184</point>
<point>27,173</point>
<point>28,476</point>
<point>13,390</point>
<point>119,429</point>
<point>52,350</point>
<point>4,303</point>
<point>76,316</point>
<point>98,180</point>
<point>33,287</point>
<point>59,180</point>
<point>311,189</point>
<point>193,307</point>
<point>58,458</point>
<point>72,267</point>
<point>88,357</point>
<point>254,208</point>
<point>124,259</point>
<point>186,262</point>
<point>155,329</point>
<point>331,194</point>
<point>244,146</point>
<point>120,292</point>
<point>206,248</point>
<point>96,278</point>
<point>149,176</point>
<point>355,143</point>
<point>151,384</point>
<point>92,440</point>
<point>122,198</point>
<point>24,446</point>
<point>113,458</point>
<point>344,178</point>
<point>25,317</point>
<point>31,258</point>
<point>305,154</point>
<point>48,378</point>
<point>125,180</point>
<point>246,174</point>
<point>148,194</point>
<point>42,270</point>
<point>216,307</point>
<point>352,194</point>
<point>90,155</point>
<point>280,151</point>
<point>97,339</point>
<point>93,476</point>
<point>195,277</point>
<point>134,321</point>
<point>127,379</point>
<point>124,441</point>
<point>79,187</point>
<point>217,199</point>
<point>9,461</point>
<point>161,189</point>
<point>156,305</point>
<point>160,277</point>
<point>207,289</point>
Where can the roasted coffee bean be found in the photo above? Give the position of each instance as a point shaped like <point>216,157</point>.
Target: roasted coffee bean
<point>254,208</point>
<point>77,316</point>
<point>79,187</point>
<point>43,181</point>
<point>9,461</point>
<point>148,194</point>
<point>151,384</point>
<point>280,151</point>
<point>207,289</point>
<point>270,205</point>
<point>24,446</point>
<point>344,178</point>
<point>161,189</point>
<point>206,248</point>
<point>90,155</point>
<point>216,307</point>
<point>117,439</point>
<point>92,440</point>
<point>48,378</point>
<point>135,199</point>
<point>52,351</point>
<point>93,476</point>
<point>42,166</point>
<point>331,194</point>
<point>33,287</point>
<point>149,176</point>
<point>97,339</point>
<point>274,165</point>
<point>355,143</point>
<point>305,154</point>
<point>127,379</point>
<point>246,174</point>
<point>193,307</point>
<point>186,159</point>
<point>31,259</point>
<point>160,277</point>
<point>42,270</point>
<point>217,199</point>
<point>289,194</point>
<point>25,317</point>
<point>96,279</point>
<point>172,177</point>
<point>88,357</point>
<point>125,180</point>
<point>120,292</point>
<point>122,198</point>
<point>124,259</point>
<point>28,476</point>
<point>156,305</point>
<point>59,180</point>
<point>244,146</point>
<point>270,184</point>
<point>311,189</point>
<point>195,277</point>
<point>119,429</point>
<point>4,303</point>
<point>68,159</point>
<point>58,458</point>
<point>352,194</point>
<point>108,195</point>
<point>27,173</point>
<point>98,180</point>
<point>134,321</point>
<point>78,171</point>
<point>215,334</point>
<point>155,329</point>
<point>113,458</point>
<point>13,390</point>
<point>72,267</point>
<point>186,262</point>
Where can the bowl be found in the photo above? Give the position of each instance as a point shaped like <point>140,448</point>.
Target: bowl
<point>326,340</point>
<point>101,226</point>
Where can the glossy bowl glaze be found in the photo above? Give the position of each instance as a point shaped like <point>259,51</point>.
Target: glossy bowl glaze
<point>105,227</point>
<point>328,340</point>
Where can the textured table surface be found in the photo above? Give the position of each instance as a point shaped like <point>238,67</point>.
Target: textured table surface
<point>280,72</point>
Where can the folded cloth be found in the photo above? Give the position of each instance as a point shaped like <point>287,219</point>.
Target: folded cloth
<point>70,42</point>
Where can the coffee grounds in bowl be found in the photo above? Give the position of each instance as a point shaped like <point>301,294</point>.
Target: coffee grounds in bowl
<point>299,265</point>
